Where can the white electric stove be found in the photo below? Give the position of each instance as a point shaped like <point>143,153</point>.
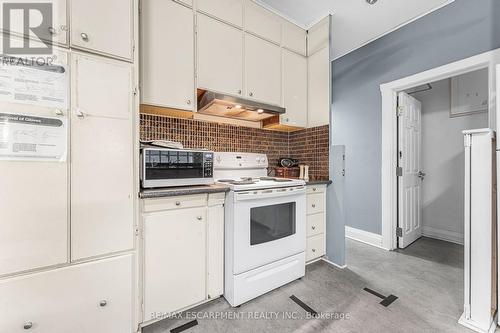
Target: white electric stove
<point>265,227</point>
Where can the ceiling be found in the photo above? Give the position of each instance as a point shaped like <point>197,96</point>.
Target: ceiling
<point>355,22</point>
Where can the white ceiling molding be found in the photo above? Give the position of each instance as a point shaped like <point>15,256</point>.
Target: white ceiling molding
<point>355,22</point>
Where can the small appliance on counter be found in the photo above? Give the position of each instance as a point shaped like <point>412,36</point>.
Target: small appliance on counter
<point>287,162</point>
<point>167,167</point>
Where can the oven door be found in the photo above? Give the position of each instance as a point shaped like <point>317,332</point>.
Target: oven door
<point>269,225</point>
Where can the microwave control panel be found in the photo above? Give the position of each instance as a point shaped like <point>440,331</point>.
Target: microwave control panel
<point>208,165</point>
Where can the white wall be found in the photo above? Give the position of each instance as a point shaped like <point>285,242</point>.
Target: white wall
<point>443,162</point>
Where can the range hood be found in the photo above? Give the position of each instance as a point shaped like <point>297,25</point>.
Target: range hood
<point>221,105</point>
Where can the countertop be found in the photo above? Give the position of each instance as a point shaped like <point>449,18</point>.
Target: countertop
<point>319,182</point>
<point>185,190</point>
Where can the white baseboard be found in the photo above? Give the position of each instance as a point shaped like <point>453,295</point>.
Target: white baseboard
<point>449,236</point>
<point>332,263</point>
<point>364,237</point>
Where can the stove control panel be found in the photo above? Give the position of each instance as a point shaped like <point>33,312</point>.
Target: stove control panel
<point>229,160</point>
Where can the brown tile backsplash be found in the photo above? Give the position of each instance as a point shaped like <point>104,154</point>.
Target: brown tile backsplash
<point>310,145</point>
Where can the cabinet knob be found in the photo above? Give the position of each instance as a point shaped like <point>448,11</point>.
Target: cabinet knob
<point>250,94</point>
<point>287,119</point>
<point>177,203</point>
<point>27,325</point>
<point>314,189</point>
<point>199,218</point>
<point>239,91</point>
<point>188,102</point>
<point>64,27</point>
<point>313,205</point>
<point>103,303</point>
<point>59,112</point>
<point>79,114</point>
<point>52,31</point>
<point>313,228</point>
<point>84,36</point>
<point>314,250</point>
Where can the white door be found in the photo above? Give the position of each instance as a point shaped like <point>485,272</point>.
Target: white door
<point>220,56</point>
<point>410,179</point>
<point>174,260</point>
<point>294,89</point>
<point>103,26</point>
<point>102,168</point>
<point>167,77</point>
<point>262,70</point>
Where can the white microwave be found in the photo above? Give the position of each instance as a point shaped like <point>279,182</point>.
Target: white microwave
<point>166,167</point>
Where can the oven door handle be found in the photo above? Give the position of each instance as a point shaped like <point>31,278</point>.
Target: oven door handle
<point>268,193</point>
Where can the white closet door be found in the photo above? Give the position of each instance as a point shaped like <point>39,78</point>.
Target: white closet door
<point>102,176</point>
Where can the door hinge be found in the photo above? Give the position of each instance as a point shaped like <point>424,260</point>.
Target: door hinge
<point>399,232</point>
<point>399,172</point>
<point>400,111</point>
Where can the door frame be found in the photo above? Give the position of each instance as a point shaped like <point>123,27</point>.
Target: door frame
<point>389,127</point>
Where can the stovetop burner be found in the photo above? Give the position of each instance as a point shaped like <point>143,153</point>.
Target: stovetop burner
<point>275,179</point>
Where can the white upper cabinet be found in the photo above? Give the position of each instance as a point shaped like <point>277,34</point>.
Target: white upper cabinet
<point>318,36</point>
<point>294,89</point>
<point>230,11</point>
<point>294,38</point>
<point>262,22</point>
<point>56,33</point>
<point>319,88</point>
<point>167,77</point>
<point>220,56</point>
<point>262,70</point>
<point>103,26</point>
<point>102,153</point>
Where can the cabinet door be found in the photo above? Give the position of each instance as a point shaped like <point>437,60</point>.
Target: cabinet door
<point>319,88</point>
<point>94,297</point>
<point>294,38</point>
<point>230,11</point>
<point>262,22</point>
<point>174,260</point>
<point>167,74</point>
<point>103,26</point>
<point>220,56</point>
<point>56,33</point>
<point>294,89</point>
<point>33,201</point>
<point>262,70</point>
<point>215,281</point>
<point>102,210</point>
<point>318,36</point>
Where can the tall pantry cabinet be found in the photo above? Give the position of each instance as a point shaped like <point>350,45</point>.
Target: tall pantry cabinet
<point>68,258</point>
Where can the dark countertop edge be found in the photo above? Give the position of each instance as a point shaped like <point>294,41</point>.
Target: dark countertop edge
<point>319,182</point>
<point>177,191</point>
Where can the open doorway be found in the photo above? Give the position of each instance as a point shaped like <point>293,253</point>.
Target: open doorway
<point>431,118</point>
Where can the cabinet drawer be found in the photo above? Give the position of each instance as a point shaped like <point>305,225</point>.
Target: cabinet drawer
<point>84,298</point>
<point>315,247</point>
<point>311,189</point>
<point>315,224</point>
<point>187,201</point>
<point>315,203</point>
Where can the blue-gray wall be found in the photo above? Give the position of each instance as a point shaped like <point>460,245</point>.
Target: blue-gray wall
<point>457,31</point>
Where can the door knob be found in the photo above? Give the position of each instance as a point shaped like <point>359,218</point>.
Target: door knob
<point>103,303</point>
<point>421,175</point>
<point>52,31</point>
<point>28,325</point>
<point>84,36</point>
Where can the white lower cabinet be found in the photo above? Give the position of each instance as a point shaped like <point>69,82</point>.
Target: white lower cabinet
<point>183,252</point>
<point>93,297</point>
<point>316,222</point>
